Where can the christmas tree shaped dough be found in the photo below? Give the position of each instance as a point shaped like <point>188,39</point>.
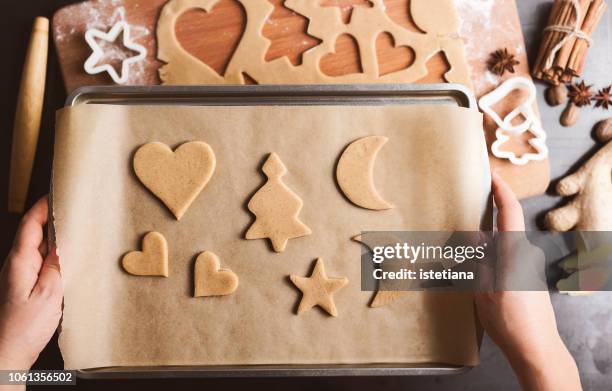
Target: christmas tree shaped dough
<point>176,178</point>
<point>152,260</point>
<point>318,289</point>
<point>276,208</point>
<point>211,279</point>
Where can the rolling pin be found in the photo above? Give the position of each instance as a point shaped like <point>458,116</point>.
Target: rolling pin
<point>28,114</point>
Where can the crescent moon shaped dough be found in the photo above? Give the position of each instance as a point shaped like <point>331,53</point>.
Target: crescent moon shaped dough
<point>435,17</point>
<point>355,173</point>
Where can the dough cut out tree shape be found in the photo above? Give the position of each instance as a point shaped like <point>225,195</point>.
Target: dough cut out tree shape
<point>366,23</point>
<point>318,289</point>
<point>276,208</point>
<point>293,28</point>
<point>591,186</point>
<point>346,7</point>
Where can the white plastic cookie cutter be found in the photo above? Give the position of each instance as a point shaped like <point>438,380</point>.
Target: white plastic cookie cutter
<point>525,109</point>
<point>506,129</point>
<point>538,143</point>
<point>97,54</point>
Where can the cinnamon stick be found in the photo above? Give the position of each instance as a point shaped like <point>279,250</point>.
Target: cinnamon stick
<point>579,51</point>
<point>562,57</point>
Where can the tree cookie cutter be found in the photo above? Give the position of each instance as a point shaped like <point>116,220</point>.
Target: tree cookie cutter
<point>506,128</point>
<point>97,54</point>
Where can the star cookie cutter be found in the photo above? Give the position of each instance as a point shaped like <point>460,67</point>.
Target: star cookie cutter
<point>97,54</point>
<point>525,109</point>
<point>538,143</point>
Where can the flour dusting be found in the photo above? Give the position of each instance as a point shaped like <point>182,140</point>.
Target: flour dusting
<point>102,15</point>
<point>480,19</point>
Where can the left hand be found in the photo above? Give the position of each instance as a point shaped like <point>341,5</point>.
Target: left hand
<point>31,293</point>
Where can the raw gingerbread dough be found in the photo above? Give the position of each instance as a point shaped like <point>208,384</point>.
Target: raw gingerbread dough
<point>325,23</point>
<point>355,173</point>
<point>381,298</point>
<point>210,279</point>
<point>176,178</point>
<point>435,17</point>
<point>152,260</point>
<point>318,289</point>
<point>276,208</point>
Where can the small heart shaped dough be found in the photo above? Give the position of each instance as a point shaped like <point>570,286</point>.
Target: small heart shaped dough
<point>210,279</point>
<point>175,177</point>
<point>152,260</point>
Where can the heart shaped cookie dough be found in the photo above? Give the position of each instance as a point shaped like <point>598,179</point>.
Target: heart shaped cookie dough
<point>152,260</point>
<point>210,279</point>
<point>176,178</point>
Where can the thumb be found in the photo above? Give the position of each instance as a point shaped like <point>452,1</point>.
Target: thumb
<point>510,213</point>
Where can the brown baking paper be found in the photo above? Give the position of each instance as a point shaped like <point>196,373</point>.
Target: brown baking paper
<point>434,170</point>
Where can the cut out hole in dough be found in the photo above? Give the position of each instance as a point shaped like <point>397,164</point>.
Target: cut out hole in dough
<point>439,62</point>
<point>175,177</point>
<point>287,32</point>
<point>276,208</point>
<point>345,60</point>
<point>392,58</point>
<point>346,7</point>
<point>194,27</point>
<point>399,12</point>
<point>152,260</point>
<point>210,279</point>
<point>318,289</point>
<point>248,80</point>
<point>435,16</point>
<point>355,173</point>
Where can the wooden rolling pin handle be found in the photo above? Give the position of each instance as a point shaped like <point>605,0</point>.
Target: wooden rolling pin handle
<point>28,114</point>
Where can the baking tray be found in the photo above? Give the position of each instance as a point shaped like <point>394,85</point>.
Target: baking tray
<point>280,95</point>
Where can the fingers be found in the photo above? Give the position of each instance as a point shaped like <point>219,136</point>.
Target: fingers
<point>49,282</point>
<point>30,233</point>
<point>510,213</point>
<point>563,218</point>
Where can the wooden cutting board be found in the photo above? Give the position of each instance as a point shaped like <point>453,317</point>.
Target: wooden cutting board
<point>485,27</point>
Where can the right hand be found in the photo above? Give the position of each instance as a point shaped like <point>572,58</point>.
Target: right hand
<point>522,323</point>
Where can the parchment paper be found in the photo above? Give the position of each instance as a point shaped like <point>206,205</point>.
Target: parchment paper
<point>434,169</point>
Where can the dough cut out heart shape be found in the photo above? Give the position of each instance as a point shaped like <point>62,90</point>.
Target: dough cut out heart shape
<point>390,56</point>
<point>152,260</point>
<point>176,178</point>
<point>210,279</point>
<point>214,50</point>
<point>346,54</point>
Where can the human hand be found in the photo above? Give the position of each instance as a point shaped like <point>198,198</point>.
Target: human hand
<point>31,293</point>
<point>522,323</point>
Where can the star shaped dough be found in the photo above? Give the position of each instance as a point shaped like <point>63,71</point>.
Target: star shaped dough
<point>318,289</point>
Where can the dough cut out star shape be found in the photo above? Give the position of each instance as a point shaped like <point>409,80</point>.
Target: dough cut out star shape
<point>318,289</point>
<point>276,208</point>
<point>92,65</point>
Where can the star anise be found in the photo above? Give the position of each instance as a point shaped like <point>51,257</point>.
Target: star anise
<point>603,98</point>
<point>580,94</point>
<point>501,61</point>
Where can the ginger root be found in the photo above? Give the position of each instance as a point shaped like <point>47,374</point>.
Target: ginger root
<point>591,208</point>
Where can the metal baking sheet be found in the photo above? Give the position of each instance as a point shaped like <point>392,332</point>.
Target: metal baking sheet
<point>229,95</point>
<point>282,95</point>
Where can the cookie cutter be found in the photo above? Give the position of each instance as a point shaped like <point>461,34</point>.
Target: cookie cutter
<point>506,128</point>
<point>525,109</point>
<point>97,54</point>
<point>538,143</point>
